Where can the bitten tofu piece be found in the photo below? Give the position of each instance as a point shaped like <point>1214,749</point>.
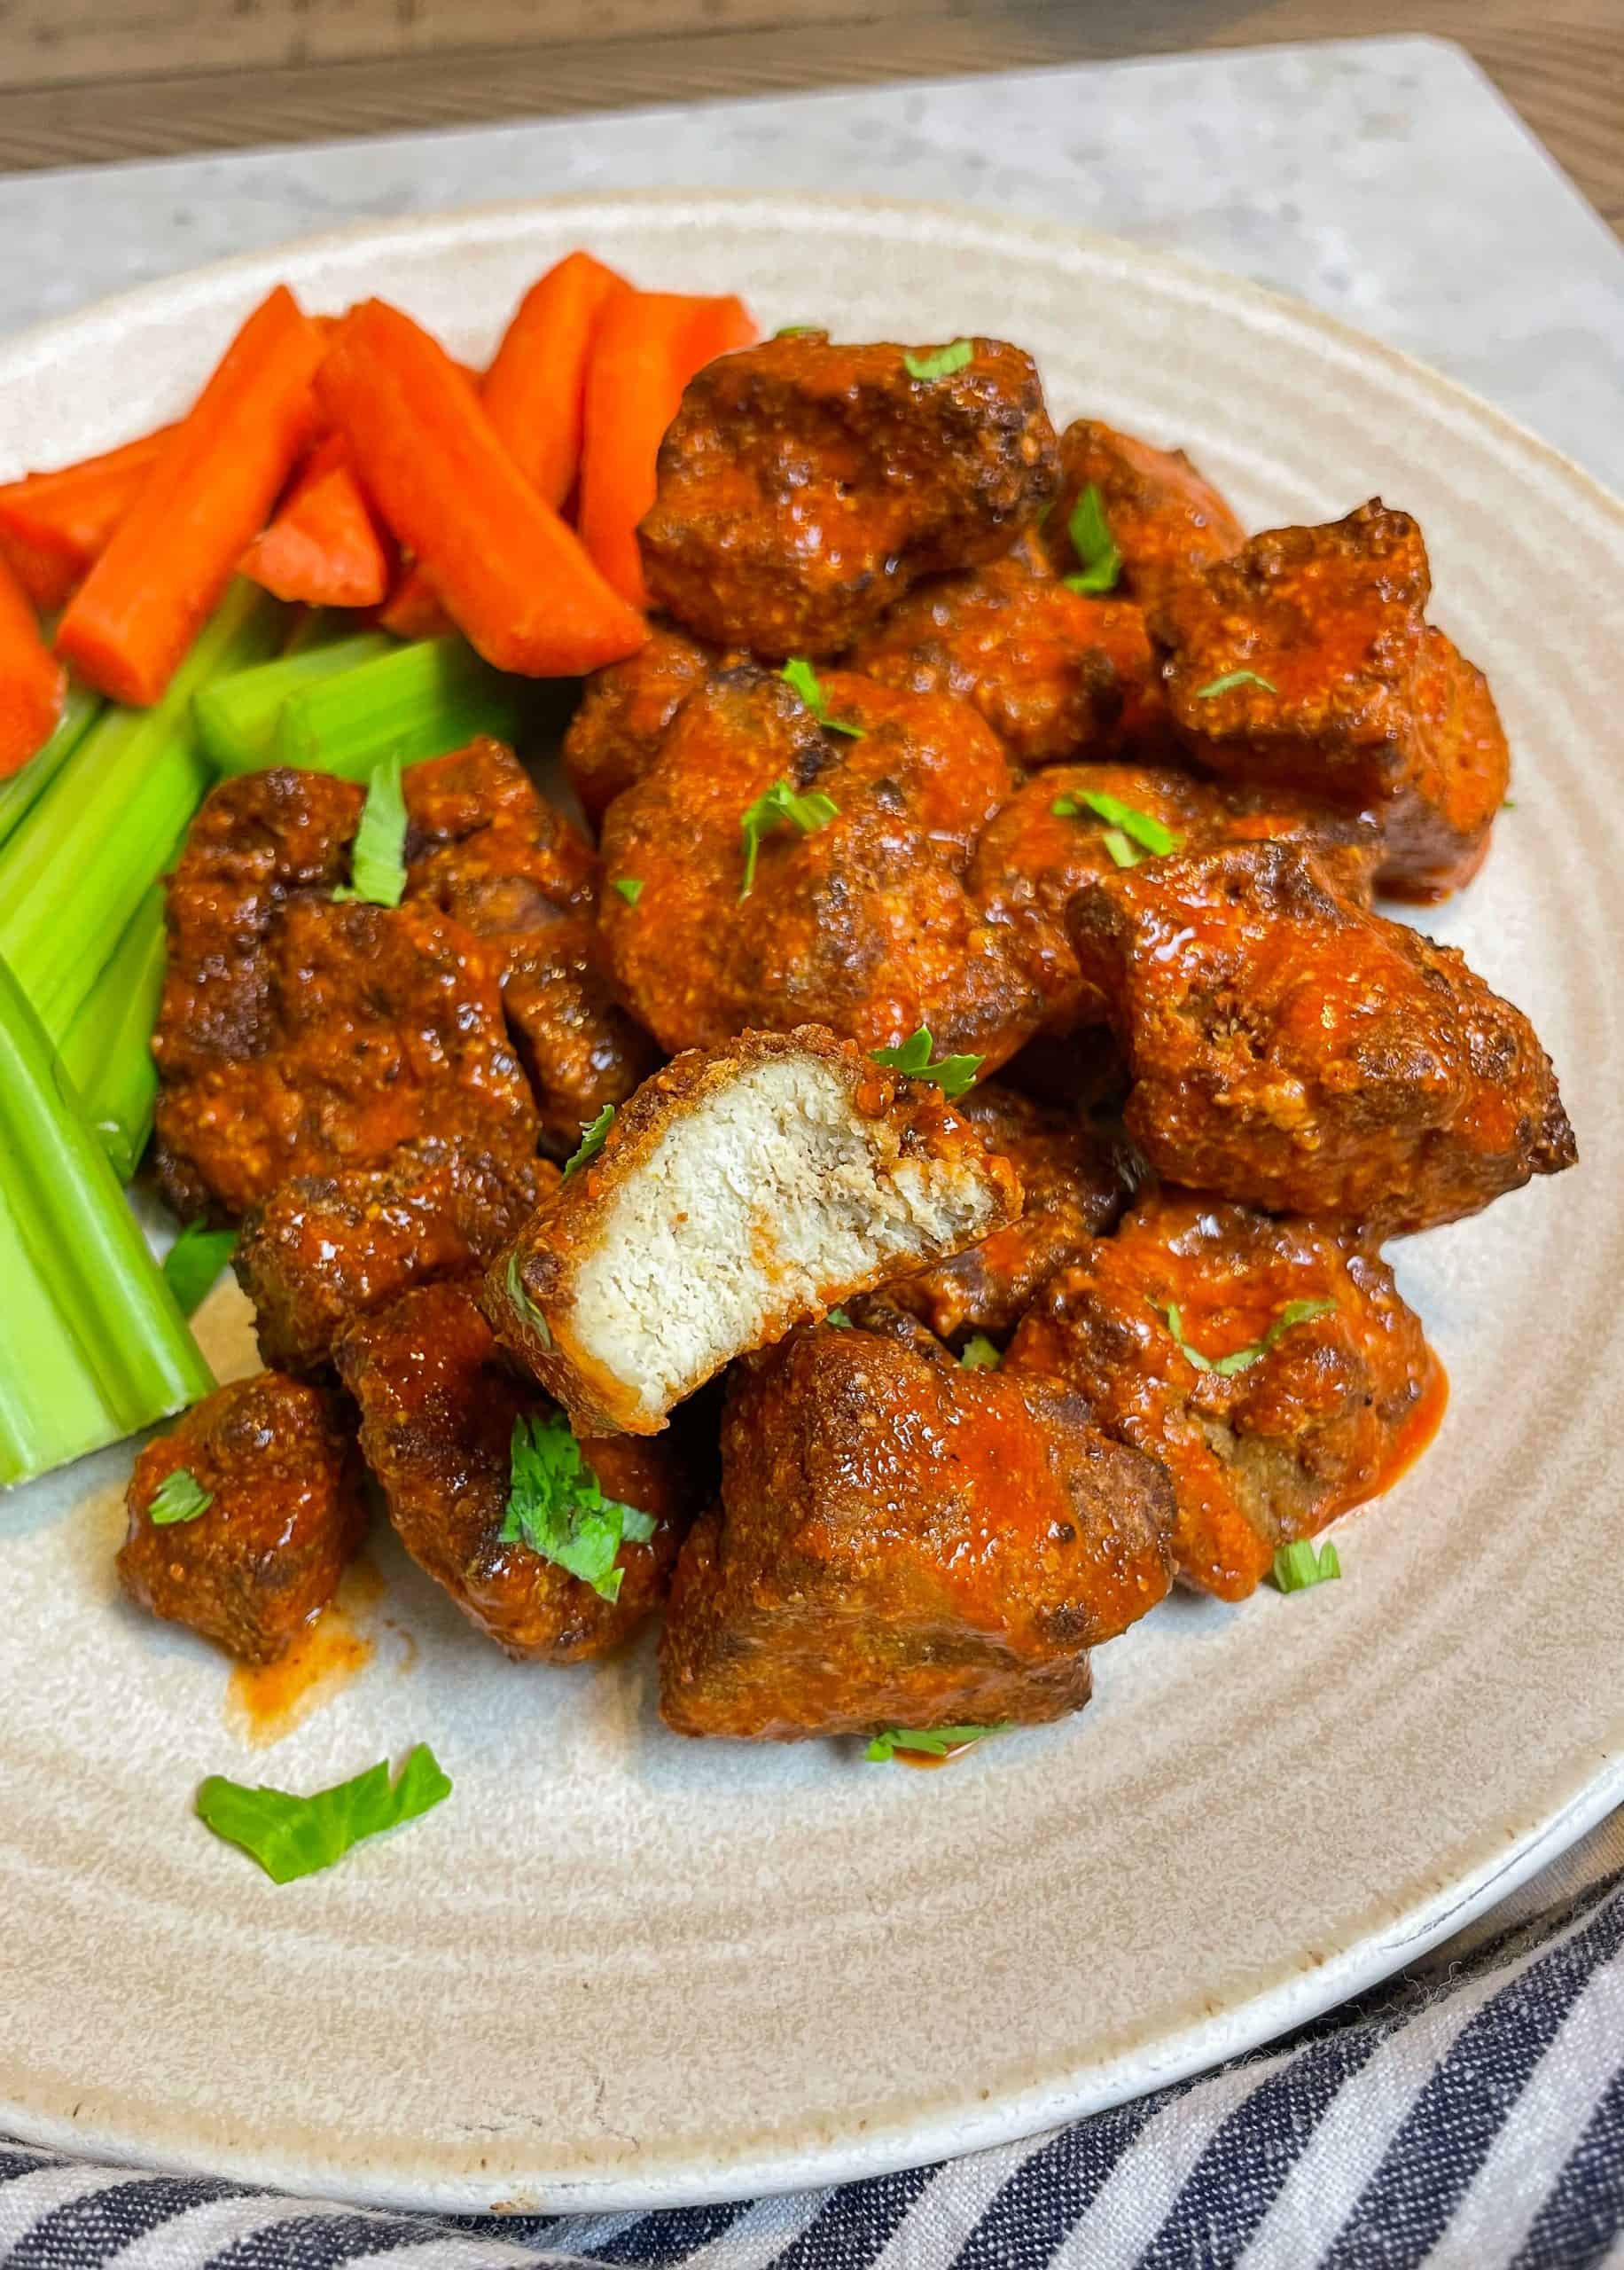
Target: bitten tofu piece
<point>1331,1388</point>
<point>325,1249</point>
<point>904,1543</point>
<point>741,1193</point>
<point>284,1514</point>
<point>439,1408</point>
<point>1075,1183</point>
<point>625,708</point>
<point>1305,663</point>
<point>803,486</point>
<point>1290,1051</point>
<point>1167,521</point>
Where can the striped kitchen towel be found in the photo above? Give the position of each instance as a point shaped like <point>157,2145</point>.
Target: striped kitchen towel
<point>1469,2118</point>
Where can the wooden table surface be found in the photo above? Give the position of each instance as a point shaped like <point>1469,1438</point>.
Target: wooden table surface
<point>96,79</point>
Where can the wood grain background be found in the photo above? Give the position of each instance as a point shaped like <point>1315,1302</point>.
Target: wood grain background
<point>83,80</point>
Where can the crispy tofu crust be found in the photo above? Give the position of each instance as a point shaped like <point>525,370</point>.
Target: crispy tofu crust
<point>741,1193</point>
<point>1167,520</point>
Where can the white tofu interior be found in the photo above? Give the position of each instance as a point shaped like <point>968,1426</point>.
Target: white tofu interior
<point>767,1202</point>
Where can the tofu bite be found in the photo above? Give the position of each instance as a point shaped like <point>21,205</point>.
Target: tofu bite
<point>617,730</point>
<point>1306,663</point>
<point>439,1414</point>
<point>322,1249</point>
<point>740,1193</point>
<point>1330,1388</point>
<point>1289,1050</point>
<point>803,486</point>
<point>1075,1181</point>
<point>1166,521</point>
<point>243,1515</point>
<point>904,1543</point>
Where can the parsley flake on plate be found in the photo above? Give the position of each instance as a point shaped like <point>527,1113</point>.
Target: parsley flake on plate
<point>1126,822</point>
<point>593,1137</point>
<point>1298,1566</point>
<point>951,1074</point>
<point>524,1305</point>
<point>798,675</point>
<point>941,362</point>
<point>630,888</point>
<point>1090,535</point>
<point>1243,1358</point>
<point>781,807</point>
<point>935,1743</point>
<point>556,1505</point>
<point>979,1354</point>
<point>294,1836</point>
<point>378,856</point>
<point>1233,677</point>
<point>194,1262</point>
<point>179,1497</point>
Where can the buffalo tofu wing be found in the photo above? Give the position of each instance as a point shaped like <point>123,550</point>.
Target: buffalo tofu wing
<point>243,1514</point>
<point>904,1543</point>
<point>1269,1365</point>
<point>742,1193</point>
<point>1166,521</point>
<point>617,731</point>
<point>439,1412</point>
<point>803,486</point>
<point>1290,1051</point>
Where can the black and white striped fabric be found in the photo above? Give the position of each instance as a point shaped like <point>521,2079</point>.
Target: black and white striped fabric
<point>1471,2117</point>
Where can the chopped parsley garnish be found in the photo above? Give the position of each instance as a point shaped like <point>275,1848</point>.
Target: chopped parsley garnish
<point>951,1074</point>
<point>979,1354</point>
<point>1125,826</point>
<point>556,1505</point>
<point>1122,852</point>
<point>630,889</point>
<point>1508,804</point>
<point>781,807</point>
<point>1090,535</point>
<point>840,1320</point>
<point>798,331</point>
<point>592,1140</point>
<point>1298,1566</point>
<point>294,1836</point>
<point>179,1497</point>
<point>378,856</point>
<point>1233,677</point>
<point>935,1742</point>
<point>941,362</point>
<point>524,1305</point>
<point>1243,1358</point>
<point>194,1261</point>
<point>798,675</point>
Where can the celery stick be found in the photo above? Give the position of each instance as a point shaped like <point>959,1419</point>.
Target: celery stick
<point>23,790</point>
<point>236,717</point>
<point>420,701</point>
<point>93,1346</point>
<point>108,1051</point>
<point>73,875</point>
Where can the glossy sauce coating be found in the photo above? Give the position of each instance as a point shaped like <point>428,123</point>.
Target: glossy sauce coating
<point>252,1568</point>
<point>1275,1450</point>
<point>616,732</point>
<point>804,486</point>
<point>902,1542</point>
<point>1165,519</point>
<point>1292,1051</point>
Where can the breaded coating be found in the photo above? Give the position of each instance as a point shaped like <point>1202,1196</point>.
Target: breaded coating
<point>804,486</point>
<point>322,1249</point>
<point>1292,1051</point>
<point>1361,704</point>
<point>1321,1418</point>
<point>741,1193</point>
<point>285,1514</point>
<point>904,1543</point>
<point>1167,521</point>
<point>863,923</point>
<point>485,848</point>
<point>1056,674</point>
<point>438,1409</point>
<point>1075,1183</point>
<point>616,732</point>
<point>1033,860</point>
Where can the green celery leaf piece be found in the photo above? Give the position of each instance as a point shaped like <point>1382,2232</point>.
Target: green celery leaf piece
<point>378,856</point>
<point>1090,535</point>
<point>979,1354</point>
<point>179,1497</point>
<point>194,1262</point>
<point>941,362</point>
<point>1231,678</point>
<point>293,1836</point>
<point>780,807</point>
<point>630,889</point>
<point>934,1742</point>
<point>951,1074</point>
<point>556,1505</point>
<point>524,1305</point>
<point>593,1137</point>
<point>1297,1567</point>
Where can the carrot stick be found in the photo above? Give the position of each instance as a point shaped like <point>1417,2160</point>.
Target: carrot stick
<point>210,491</point>
<point>323,548</point>
<point>515,579</point>
<point>55,526</point>
<point>413,609</point>
<point>648,346</point>
<point>33,683</point>
<point>534,390</point>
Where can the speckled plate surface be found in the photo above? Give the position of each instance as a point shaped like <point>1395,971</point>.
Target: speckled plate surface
<point>620,1969</point>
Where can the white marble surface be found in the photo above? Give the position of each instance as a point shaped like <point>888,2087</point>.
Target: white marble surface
<point>1384,180</point>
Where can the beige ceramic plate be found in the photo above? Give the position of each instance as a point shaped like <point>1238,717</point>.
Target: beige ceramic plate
<point>619,1968</point>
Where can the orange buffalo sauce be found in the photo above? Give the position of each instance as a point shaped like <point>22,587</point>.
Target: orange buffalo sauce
<point>264,1701</point>
<point>1414,1436</point>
